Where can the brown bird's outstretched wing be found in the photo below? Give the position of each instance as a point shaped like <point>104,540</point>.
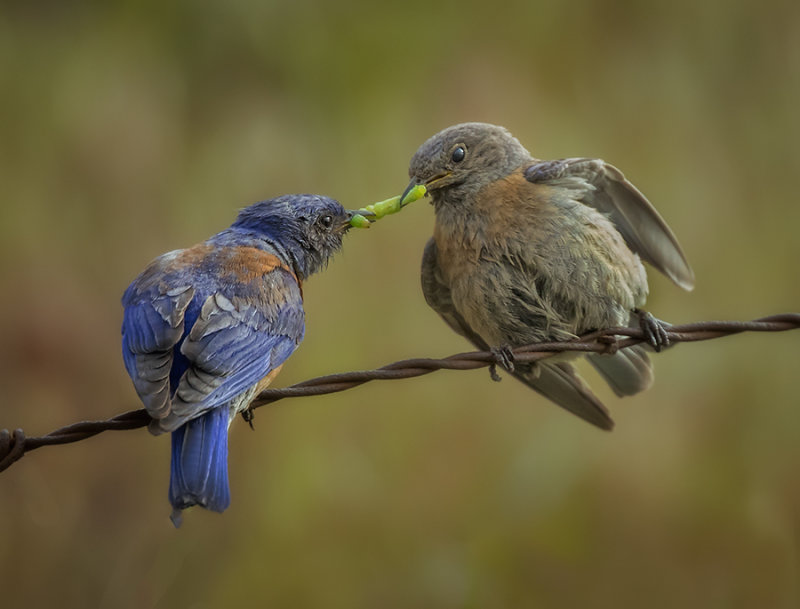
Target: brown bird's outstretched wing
<point>605,188</point>
<point>557,382</point>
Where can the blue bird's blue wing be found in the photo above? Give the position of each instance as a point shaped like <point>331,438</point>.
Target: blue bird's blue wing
<point>151,328</point>
<point>234,344</point>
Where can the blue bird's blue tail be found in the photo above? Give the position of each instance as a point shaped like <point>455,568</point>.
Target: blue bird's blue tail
<point>199,472</point>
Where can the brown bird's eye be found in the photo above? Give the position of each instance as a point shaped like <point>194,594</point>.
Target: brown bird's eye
<point>326,221</point>
<point>458,154</point>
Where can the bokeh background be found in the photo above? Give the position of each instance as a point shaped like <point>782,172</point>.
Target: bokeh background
<point>132,128</point>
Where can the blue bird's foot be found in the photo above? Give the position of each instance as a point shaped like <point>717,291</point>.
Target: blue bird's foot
<point>249,415</point>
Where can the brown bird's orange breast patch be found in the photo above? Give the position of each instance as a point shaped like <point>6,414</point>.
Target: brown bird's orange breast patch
<point>504,201</point>
<point>508,196</point>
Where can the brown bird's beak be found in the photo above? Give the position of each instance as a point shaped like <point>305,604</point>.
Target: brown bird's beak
<point>414,182</point>
<point>437,181</point>
<point>430,184</point>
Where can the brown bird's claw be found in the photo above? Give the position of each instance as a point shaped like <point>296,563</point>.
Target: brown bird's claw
<point>249,415</point>
<point>655,330</point>
<point>503,356</point>
<point>545,171</point>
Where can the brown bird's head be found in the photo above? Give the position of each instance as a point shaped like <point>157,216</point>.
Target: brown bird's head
<point>463,158</point>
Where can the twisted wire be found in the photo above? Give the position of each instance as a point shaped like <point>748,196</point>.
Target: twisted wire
<point>13,445</point>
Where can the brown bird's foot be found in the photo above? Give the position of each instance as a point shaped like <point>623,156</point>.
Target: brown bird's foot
<point>545,171</point>
<point>503,356</point>
<point>249,415</point>
<point>655,330</point>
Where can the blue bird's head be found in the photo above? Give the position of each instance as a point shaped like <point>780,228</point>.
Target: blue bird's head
<point>307,228</point>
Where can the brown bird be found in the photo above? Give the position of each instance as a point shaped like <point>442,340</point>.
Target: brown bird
<point>527,251</point>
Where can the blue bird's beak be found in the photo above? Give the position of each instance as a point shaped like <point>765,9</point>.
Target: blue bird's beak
<point>358,218</point>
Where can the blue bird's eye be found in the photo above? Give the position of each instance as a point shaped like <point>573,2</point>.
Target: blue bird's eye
<point>326,221</point>
<point>458,154</point>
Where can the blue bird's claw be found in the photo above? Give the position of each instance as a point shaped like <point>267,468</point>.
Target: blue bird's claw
<point>249,416</point>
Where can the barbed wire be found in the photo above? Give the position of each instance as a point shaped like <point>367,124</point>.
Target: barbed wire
<point>14,445</point>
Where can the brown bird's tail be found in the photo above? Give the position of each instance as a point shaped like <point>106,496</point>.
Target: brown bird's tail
<point>627,372</point>
<point>560,383</point>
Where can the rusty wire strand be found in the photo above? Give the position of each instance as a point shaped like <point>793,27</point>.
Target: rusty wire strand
<point>14,445</point>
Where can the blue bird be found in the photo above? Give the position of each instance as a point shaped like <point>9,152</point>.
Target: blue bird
<point>207,328</point>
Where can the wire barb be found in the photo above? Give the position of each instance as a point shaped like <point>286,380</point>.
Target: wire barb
<point>14,445</point>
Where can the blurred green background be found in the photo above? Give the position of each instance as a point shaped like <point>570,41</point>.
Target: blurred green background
<point>132,128</point>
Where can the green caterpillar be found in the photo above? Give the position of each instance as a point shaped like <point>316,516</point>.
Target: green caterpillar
<point>375,211</point>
